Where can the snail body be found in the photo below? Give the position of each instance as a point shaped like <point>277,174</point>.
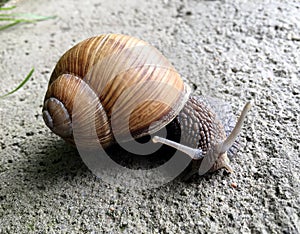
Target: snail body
<point>126,88</point>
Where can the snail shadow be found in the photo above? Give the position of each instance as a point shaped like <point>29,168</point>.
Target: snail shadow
<point>62,162</point>
<point>44,168</point>
<point>59,168</point>
<point>56,162</point>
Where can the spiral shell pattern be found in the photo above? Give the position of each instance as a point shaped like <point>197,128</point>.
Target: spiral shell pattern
<point>125,78</point>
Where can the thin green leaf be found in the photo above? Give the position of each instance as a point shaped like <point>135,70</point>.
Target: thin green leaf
<point>41,18</point>
<point>17,21</point>
<point>20,85</point>
<point>25,15</point>
<point>9,25</point>
<point>20,18</point>
<point>10,19</point>
<point>7,8</point>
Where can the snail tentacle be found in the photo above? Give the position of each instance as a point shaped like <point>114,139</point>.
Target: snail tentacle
<point>195,154</point>
<point>237,129</point>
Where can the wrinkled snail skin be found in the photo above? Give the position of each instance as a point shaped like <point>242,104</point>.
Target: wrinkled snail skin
<point>200,128</point>
<point>107,79</point>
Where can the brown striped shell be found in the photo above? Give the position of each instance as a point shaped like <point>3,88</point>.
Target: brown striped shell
<point>118,84</point>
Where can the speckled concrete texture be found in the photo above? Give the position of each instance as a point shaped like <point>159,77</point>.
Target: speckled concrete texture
<point>233,50</point>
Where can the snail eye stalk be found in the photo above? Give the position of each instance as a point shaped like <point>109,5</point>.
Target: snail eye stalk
<point>236,130</point>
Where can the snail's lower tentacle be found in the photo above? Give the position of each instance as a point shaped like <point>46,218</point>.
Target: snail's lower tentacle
<point>195,154</point>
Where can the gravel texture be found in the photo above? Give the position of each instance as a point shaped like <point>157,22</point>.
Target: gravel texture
<point>232,50</point>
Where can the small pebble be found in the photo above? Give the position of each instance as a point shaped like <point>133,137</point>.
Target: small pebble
<point>233,185</point>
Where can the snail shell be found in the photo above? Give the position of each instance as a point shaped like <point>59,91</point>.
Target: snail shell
<point>100,69</point>
<point>126,88</point>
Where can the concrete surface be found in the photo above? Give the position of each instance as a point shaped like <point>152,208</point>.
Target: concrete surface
<point>233,50</point>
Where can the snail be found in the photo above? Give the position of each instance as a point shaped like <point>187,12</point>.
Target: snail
<point>127,89</point>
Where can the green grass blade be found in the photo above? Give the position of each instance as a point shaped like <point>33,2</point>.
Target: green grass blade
<point>19,18</point>
<point>9,25</point>
<point>20,85</point>
<point>40,18</point>
<point>17,21</point>
<point>7,8</point>
<point>24,15</point>
<point>9,19</point>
